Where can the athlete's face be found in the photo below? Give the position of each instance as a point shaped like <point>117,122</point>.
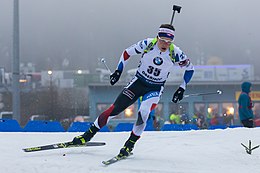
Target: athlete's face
<point>164,43</point>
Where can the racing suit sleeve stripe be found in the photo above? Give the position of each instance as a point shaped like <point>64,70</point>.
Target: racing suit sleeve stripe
<point>187,75</point>
<point>135,49</point>
<point>126,56</point>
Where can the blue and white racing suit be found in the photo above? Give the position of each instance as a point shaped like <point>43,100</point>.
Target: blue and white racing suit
<point>151,75</point>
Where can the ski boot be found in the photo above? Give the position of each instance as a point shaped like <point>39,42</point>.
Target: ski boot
<point>129,146</point>
<point>82,139</point>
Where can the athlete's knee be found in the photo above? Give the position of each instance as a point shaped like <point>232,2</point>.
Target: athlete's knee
<point>104,116</point>
<point>142,117</point>
<point>144,111</point>
<point>116,110</point>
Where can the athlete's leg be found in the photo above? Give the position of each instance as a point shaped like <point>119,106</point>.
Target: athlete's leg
<point>149,102</point>
<point>127,97</point>
<point>122,102</point>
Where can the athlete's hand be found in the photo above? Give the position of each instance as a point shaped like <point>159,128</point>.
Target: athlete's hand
<point>178,95</point>
<point>114,77</point>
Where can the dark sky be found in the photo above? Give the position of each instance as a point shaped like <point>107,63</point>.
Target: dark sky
<point>83,31</point>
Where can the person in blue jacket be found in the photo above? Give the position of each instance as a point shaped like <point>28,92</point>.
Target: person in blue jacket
<point>245,106</point>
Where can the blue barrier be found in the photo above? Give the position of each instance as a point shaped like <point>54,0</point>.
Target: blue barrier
<point>104,129</point>
<point>79,126</point>
<point>121,127</point>
<point>43,126</point>
<point>83,126</point>
<point>179,127</point>
<point>190,127</point>
<point>149,127</point>
<point>213,127</point>
<point>9,125</point>
<point>234,126</point>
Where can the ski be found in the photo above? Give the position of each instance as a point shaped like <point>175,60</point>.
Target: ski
<point>61,145</point>
<point>115,159</point>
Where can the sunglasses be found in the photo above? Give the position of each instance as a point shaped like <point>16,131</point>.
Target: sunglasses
<point>164,40</point>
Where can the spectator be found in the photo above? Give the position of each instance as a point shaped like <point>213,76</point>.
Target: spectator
<point>194,119</point>
<point>185,119</point>
<point>214,120</point>
<point>175,119</point>
<point>245,106</point>
<point>199,120</point>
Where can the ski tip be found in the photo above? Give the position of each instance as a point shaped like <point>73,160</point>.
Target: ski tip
<point>105,163</point>
<point>30,149</point>
<point>115,159</point>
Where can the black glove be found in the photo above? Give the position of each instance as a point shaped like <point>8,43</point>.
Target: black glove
<point>178,95</point>
<point>115,77</point>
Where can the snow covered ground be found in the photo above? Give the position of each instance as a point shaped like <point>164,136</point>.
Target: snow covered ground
<point>204,151</point>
